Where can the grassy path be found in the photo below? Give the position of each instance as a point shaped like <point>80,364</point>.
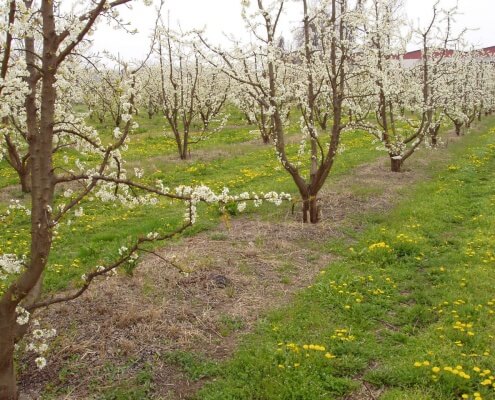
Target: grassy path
<point>406,313</point>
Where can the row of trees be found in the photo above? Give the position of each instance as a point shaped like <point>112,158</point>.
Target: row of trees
<point>343,71</point>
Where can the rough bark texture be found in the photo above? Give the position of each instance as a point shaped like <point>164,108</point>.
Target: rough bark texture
<point>311,212</point>
<point>8,384</point>
<point>395,164</point>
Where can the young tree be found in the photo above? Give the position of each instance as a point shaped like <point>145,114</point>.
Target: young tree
<point>322,69</point>
<point>467,90</point>
<point>188,95</point>
<point>13,89</point>
<point>406,102</point>
<point>211,102</point>
<point>151,93</point>
<point>256,113</point>
<point>101,89</point>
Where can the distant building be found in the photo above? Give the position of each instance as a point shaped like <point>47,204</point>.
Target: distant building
<point>413,58</point>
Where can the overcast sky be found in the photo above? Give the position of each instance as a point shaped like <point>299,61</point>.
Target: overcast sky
<point>221,17</point>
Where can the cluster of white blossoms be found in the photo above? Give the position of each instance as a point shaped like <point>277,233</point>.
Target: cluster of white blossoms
<point>203,193</point>
<point>16,205</point>
<point>22,315</point>
<point>277,198</point>
<point>10,264</point>
<point>37,342</point>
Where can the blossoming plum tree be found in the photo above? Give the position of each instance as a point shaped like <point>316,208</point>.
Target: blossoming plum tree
<point>406,103</point>
<point>322,70</point>
<point>190,90</point>
<point>38,93</point>
<point>468,90</point>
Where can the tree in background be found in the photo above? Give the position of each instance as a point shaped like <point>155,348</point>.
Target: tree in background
<point>191,92</point>
<point>316,73</point>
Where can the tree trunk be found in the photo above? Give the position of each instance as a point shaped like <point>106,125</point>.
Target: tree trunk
<point>311,211</point>
<point>25,178</point>
<point>8,384</point>
<point>266,139</point>
<point>395,164</point>
<point>434,135</point>
<point>185,149</point>
<point>458,129</point>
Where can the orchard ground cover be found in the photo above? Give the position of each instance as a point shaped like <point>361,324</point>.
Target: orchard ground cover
<point>96,236</point>
<point>405,313</point>
<point>161,331</point>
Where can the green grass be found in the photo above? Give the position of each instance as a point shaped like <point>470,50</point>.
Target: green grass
<point>94,238</point>
<point>412,293</point>
<point>390,302</point>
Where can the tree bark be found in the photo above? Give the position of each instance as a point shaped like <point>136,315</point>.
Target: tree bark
<point>184,150</point>
<point>458,128</point>
<point>310,209</point>
<point>8,384</point>
<point>25,178</point>
<point>395,164</point>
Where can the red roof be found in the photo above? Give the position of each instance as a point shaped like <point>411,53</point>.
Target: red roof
<point>412,55</point>
<point>417,54</point>
<point>490,50</point>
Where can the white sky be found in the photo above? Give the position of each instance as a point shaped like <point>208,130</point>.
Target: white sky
<point>221,17</point>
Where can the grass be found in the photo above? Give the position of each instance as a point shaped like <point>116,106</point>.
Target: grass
<point>409,295</point>
<point>408,308</point>
<point>94,238</point>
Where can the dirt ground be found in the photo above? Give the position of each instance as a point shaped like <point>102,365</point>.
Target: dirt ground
<point>240,271</point>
